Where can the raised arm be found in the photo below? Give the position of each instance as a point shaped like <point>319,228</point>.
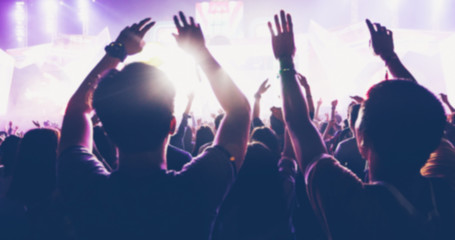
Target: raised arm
<point>445,100</point>
<point>331,122</point>
<point>316,113</point>
<point>233,131</point>
<point>357,99</point>
<point>177,139</point>
<point>77,125</point>
<point>303,81</point>
<point>382,43</point>
<point>257,98</point>
<point>305,137</point>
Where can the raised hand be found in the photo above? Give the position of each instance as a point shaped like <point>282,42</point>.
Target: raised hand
<point>257,98</point>
<point>444,98</point>
<point>77,124</point>
<point>283,41</point>
<point>132,36</point>
<point>334,104</point>
<point>381,40</point>
<point>305,138</point>
<point>190,37</point>
<point>277,113</point>
<point>382,43</point>
<point>36,123</point>
<point>263,88</point>
<point>358,99</point>
<point>319,102</point>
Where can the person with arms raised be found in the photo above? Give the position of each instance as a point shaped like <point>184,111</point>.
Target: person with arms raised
<point>142,199</point>
<point>400,124</point>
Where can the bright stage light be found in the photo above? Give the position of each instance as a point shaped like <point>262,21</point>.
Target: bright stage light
<point>6,74</point>
<point>393,4</point>
<point>438,4</point>
<point>83,10</point>
<point>50,9</point>
<point>20,18</point>
<point>19,13</point>
<point>437,11</point>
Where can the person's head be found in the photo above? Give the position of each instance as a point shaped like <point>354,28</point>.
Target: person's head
<point>266,136</point>
<point>135,106</point>
<point>203,135</point>
<point>352,115</point>
<point>34,174</point>
<point>398,126</point>
<point>275,123</point>
<point>259,161</point>
<point>8,153</point>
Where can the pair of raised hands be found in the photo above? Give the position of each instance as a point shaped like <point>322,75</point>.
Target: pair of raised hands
<point>284,46</point>
<point>189,36</point>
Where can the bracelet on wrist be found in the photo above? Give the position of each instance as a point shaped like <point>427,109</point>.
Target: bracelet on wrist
<point>287,65</point>
<point>287,71</point>
<point>257,95</point>
<point>116,50</point>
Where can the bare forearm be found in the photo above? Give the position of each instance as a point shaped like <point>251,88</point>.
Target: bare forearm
<point>451,108</point>
<point>81,96</point>
<point>396,68</point>
<point>234,129</point>
<point>306,139</point>
<point>330,124</point>
<point>77,125</point>
<point>77,130</point>
<point>326,135</point>
<point>256,108</point>
<point>188,106</point>
<point>310,102</point>
<point>316,113</point>
<point>229,96</point>
<point>288,151</point>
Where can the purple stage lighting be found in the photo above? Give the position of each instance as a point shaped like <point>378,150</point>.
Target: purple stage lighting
<point>20,18</point>
<point>50,10</point>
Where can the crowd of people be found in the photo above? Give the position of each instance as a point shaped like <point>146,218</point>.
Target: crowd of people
<point>121,167</point>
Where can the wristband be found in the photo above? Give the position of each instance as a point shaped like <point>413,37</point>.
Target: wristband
<point>257,95</point>
<point>287,71</point>
<point>287,66</point>
<point>116,50</point>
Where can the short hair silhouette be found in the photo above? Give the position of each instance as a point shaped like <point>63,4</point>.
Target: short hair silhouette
<point>267,137</point>
<point>135,106</point>
<point>34,174</point>
<point>403,122</point>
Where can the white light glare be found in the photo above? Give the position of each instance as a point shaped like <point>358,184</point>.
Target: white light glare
<point>393,4</point>
<point>50,8</point>
<point>20,21</point>
<point>83,6</point>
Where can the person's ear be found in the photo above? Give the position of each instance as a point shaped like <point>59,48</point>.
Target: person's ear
<point>361,145</point>
<point>172,126</point>
<point>362,148</point>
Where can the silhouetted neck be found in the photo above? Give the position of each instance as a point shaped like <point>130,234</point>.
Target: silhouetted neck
<point>143,162</point>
